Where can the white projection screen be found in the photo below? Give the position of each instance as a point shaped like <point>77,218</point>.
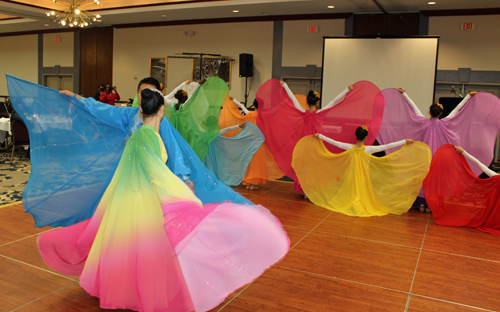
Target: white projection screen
<point>409,63</point>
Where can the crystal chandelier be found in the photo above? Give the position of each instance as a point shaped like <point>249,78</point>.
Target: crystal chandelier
<point>75,15</point>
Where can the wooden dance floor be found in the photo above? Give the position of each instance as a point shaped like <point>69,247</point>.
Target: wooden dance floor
<point>336,263</point>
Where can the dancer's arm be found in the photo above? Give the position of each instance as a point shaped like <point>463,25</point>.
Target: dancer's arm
<point>476,162</point>
<point>379,148</point>
<point>119,117</point>
<point>243,108</point>
<point>225,130</point>
<point>171,94</point>
<point>292,97</point>
<point>461,104</point>
<point>413,106</point>
<point>344,146</point>
<point>169,102</point>
<point>338,98</point>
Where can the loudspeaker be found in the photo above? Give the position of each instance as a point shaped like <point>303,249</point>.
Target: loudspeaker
<point>246,65</point>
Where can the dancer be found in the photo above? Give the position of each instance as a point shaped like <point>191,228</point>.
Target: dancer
<point>228,158</point>
<point>284,122</point>
<point>313,98</point>
<point>171,99</point>
<point>76,144</point>
<point>356,183</point>
<point>457,197</point>
<point>181,93</point>
<point>262,167</point>
<point>196,119</point>
<point>152,246</point>
<point>476,118</point>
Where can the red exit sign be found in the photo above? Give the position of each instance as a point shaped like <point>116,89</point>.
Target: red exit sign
<point>312,29</point>
<point>467,26</point>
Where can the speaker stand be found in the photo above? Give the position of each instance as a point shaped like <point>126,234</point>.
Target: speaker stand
<point>246,92</point>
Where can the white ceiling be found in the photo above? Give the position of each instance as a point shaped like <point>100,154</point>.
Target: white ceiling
<point>34,17</point>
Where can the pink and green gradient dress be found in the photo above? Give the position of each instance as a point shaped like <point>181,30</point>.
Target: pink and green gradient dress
<point>152,246</point>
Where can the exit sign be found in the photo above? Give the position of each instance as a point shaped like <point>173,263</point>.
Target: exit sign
<point>57,39</point>
<point>312,29</point>
<point>467,26</point>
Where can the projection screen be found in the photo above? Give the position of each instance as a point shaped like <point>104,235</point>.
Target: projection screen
<point>409,63</point>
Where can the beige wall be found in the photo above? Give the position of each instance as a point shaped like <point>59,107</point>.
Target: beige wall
<point>18,57</point>
<point>301,48</point>
<point>58,53</point>
<point>478,49</point>
<point>134,46</point>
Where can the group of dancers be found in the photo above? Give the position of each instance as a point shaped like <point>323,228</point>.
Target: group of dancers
<point>141,194</point>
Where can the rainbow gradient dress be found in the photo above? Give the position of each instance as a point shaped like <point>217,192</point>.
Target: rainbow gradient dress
<point>151,245</point>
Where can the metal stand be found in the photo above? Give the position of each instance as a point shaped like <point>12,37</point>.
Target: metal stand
<point>246,91</point>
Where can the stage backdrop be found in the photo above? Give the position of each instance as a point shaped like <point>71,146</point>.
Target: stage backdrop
<point>409,63</point>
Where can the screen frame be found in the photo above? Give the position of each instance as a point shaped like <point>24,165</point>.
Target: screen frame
<point>380,37</point>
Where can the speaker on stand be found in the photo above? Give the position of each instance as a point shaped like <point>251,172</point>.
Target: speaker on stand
<point>246,70</point>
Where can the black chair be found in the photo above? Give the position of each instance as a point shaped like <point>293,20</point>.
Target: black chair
<point>20,137</point>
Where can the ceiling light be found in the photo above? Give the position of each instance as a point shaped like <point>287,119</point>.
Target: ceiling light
<point>46,25</point>
<point>236,11</point>
<point>76,13</point>
<point>432,2</point>
<point>331,6</point>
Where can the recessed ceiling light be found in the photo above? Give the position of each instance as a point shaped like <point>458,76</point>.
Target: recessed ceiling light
<point>432,2</point>
<point>331,6</point>
<point>46,25</point>
<point>236,11</point>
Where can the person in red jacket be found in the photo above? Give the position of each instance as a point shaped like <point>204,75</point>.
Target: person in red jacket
<point>108,96</point>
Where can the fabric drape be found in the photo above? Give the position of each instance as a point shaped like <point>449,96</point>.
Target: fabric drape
<point>152,246</point>
<point>75,147</point>
<point>356,183</point>
<point>262,167</point>
<point>457,197</point>
<point>197,119</point>
<point>283,125</point>
<point>474,127</point>
<point>228,158</point>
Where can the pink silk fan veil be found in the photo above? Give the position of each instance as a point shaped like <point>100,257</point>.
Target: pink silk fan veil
<point>283,125</point>
<point>474,127</point>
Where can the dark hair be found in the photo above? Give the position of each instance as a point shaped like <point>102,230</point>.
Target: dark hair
<point>256,104</point>
<point>361,133</point>
<point>149,80</point>
<point>151,101</point>
<point>181,98</point>
<point>435,110</point>
<point>312,98</point>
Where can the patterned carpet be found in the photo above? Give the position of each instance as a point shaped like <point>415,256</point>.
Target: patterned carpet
<point>13,176</point>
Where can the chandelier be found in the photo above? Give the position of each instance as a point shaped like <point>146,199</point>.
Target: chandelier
<point>75,15</point>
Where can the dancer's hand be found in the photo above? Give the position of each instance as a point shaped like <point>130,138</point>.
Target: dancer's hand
<point>472,93</point>
<point>459,150</point>
<point>409,141</point>
<point>187,81</point>
<point>241,124</point>
<point>67,93</point>
<point>190,184</point>
<point>401,90</point>
<point>231,98</point>
<point>351,87</point>
<point>282,82</point>
<point>316,135</point>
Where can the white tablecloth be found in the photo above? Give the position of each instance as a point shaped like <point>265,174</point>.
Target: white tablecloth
<point>4,128</point>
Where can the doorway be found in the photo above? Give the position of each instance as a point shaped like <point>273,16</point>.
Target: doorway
<point>58,82</point>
